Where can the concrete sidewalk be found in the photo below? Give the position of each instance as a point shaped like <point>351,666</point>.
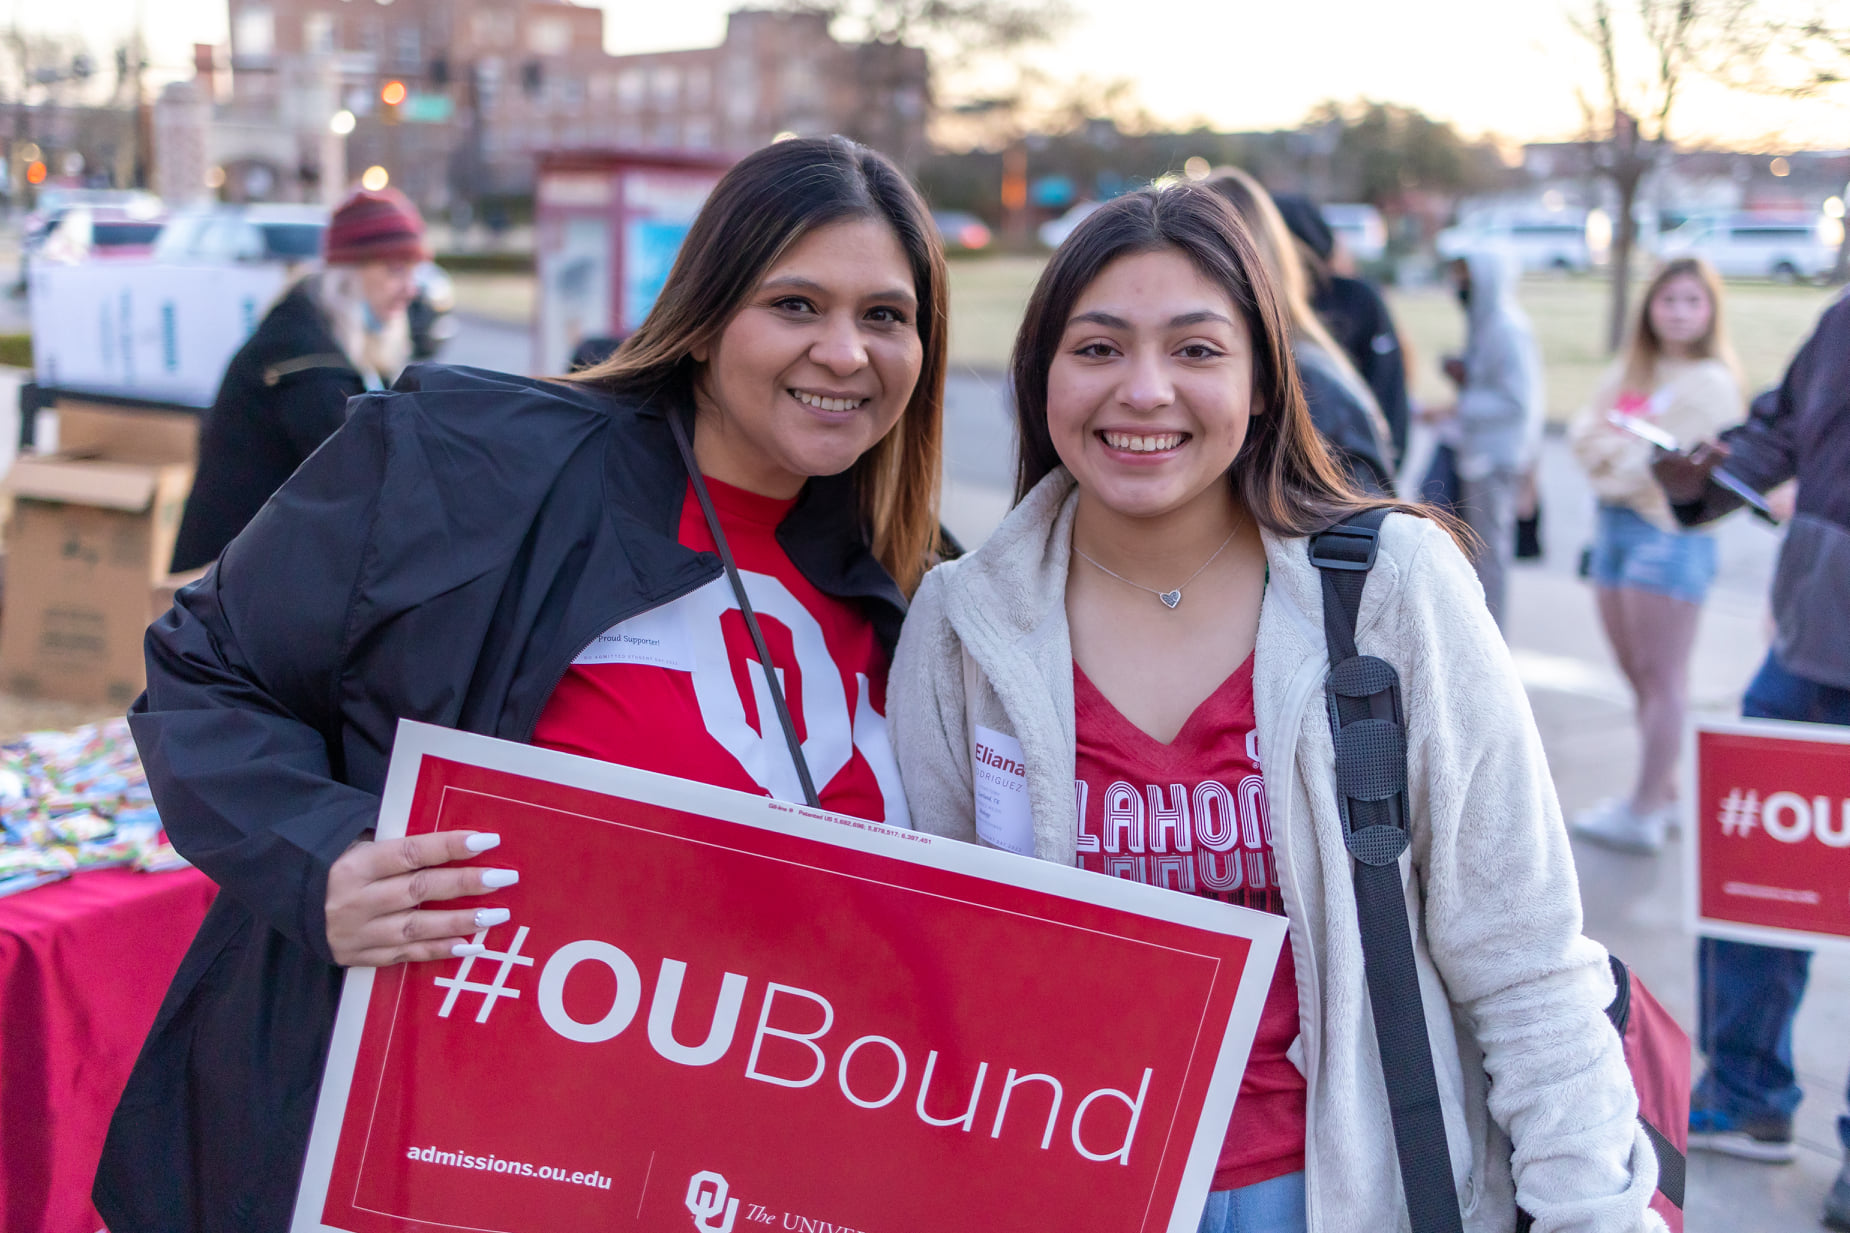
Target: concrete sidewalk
<point>1634,905</point>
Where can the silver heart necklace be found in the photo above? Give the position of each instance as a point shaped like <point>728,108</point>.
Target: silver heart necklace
<point>1170,598</point>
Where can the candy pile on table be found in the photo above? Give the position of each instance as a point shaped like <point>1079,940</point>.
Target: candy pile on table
<point>76,800</point>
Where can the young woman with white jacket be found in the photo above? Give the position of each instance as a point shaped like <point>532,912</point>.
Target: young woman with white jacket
<point>1146,625</point>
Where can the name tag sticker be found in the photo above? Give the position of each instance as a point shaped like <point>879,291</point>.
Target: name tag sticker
<point>654,639</point>
<point>1003,819</point>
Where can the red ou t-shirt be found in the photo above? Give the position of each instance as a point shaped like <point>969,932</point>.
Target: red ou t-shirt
<point>1191,816</point>
<point>679,689</point>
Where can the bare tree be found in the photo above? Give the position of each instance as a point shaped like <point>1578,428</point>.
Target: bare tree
<point>957,28</point>
<point>1798,54</point>
<point>956,33</point>
<point>1630,126</point>
<point>1791,54</point>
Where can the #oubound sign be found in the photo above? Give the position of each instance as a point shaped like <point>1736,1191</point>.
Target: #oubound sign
<point>1770,837</point>
<point>715,1011</point>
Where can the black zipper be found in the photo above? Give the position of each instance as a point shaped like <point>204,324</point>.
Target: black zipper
<point>526,731</point>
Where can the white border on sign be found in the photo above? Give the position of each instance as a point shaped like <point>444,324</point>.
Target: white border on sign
<point>1729,930</point>
<point>415,741</point>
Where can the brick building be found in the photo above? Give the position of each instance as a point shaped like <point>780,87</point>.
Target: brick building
<point>489,82</point>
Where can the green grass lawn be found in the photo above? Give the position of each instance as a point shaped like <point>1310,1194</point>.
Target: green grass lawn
<point>1767,322</point>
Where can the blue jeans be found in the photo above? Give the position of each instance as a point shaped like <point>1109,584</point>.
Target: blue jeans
<point>1275,1206</point>
<point>1629,551</point>
<point>1750,994</point>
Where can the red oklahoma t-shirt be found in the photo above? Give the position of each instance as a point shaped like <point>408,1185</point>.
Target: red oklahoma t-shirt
<point>1191,815</point>
<point>679,689</point>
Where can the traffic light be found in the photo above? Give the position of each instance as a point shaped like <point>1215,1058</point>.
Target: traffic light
<point>391,95</point>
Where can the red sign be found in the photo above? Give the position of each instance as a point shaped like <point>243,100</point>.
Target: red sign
<point>713,1011</point>
<point>1771,832</point>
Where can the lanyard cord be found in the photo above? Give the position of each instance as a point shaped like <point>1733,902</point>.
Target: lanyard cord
<point>745,607</point>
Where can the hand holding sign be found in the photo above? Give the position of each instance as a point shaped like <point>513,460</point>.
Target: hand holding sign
<point>1683,476</point>
<point>375,889</point>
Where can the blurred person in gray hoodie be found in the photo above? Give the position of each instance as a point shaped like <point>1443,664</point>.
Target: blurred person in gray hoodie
<point>1496,424</point>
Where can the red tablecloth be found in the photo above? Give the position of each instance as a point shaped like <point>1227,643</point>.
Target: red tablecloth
<point>83,966</point>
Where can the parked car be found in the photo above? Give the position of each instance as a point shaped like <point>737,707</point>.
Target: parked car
<point>99,233</point>
<point>42,226</point>
<point>291,234</point>
<point>1553,242</point>
<point>429,312</point>
<point>1787,247</point>
<point>1360,228</point>
<point>962,232</point>
<point>1054,231</point>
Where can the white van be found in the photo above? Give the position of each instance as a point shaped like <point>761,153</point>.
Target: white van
<point>1555,242</point>
<point>1787,247</point>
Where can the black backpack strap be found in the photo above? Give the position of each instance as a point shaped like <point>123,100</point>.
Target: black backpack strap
<point>1366,723</point>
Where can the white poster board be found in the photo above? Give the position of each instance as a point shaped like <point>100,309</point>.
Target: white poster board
<point>141,329</point>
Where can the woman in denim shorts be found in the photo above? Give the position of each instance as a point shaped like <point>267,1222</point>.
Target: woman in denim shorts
<point>1678,375</point>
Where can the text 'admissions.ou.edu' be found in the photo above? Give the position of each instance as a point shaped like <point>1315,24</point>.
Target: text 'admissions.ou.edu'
<point>518,1168</point>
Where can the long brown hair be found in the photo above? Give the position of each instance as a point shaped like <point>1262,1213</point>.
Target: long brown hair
<point>768,201</point>
<point>1283,473</point>
<point>1644,348</point>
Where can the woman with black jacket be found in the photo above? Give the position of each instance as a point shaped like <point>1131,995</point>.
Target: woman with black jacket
<point>333,336</point>
<point>467,551</point>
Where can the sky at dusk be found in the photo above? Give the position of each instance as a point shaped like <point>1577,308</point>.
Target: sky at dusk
<point>1510,69</point>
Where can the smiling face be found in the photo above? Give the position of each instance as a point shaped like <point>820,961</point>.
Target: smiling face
<point>816,367</point>
<point>1150,390</point>
<point>1681,312</point>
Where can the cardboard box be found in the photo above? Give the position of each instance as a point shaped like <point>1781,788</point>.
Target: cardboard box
<point>91,534</point>
<point>126,434</point>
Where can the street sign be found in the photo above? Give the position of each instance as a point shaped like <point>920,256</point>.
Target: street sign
<point>1769,857</point>
<point>427,109</point>
<point>716,1011</point>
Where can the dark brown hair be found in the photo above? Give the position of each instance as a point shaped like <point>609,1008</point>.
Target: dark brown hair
<point>768,201</point>
<point>1283,473</point>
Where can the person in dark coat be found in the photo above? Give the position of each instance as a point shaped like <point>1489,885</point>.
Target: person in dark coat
<point>1750,994</point>
<point>1341,405</point>
<point>332,336</point>
<point>461,552</point>
<point>1355,313</point>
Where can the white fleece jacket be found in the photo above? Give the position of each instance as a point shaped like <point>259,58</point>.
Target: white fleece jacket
<point>1513,992</point>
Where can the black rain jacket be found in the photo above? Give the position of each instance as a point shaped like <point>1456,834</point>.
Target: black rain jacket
<point>444,557</point>
<point>284,393</point>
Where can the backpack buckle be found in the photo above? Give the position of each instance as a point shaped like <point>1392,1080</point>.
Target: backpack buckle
<point>1329,551</point>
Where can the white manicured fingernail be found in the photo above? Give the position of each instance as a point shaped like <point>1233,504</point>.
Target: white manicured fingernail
<point>488,918</point>
<point>462,950</point>
<point>481,841</point>
<point>495,879</point>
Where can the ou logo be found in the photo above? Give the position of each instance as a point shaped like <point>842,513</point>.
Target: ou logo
<point>712,1211</point>
<point>831,731</point>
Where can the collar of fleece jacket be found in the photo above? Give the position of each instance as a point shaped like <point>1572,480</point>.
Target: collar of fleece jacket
<point>1018,578</point>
